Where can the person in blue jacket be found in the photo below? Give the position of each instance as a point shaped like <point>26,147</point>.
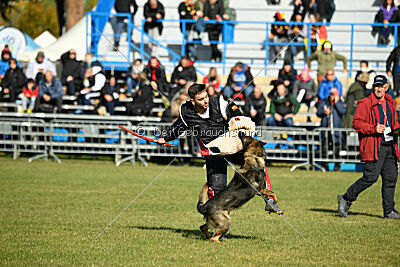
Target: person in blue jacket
<point>50,92</point>
<point>328,84</point>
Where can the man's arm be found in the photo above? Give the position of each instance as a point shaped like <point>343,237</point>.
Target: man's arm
<point>173,132</point>
<point>295,103</point>
<point>310,59</point>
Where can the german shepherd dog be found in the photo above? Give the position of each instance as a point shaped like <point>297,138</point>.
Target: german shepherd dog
<point>248,181</point>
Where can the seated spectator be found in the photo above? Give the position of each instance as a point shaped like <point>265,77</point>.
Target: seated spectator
<point>297,35</point>
<point>255,105</point>
<point>182,74</point>
<point>304,88</point>
<point>93,84</point>
<point>332,110</point>
<point>89,62</point>
<point>111,94</point>
<point>4,62</point>
<point>153,11</point>
<point>239,79</point>
<point>186,10</point>
<point>30,94</point>
<point>364,67</point>
<point>356,92</point>
<point>326,60</point>
<point>279,34</point>
<point>50,93</point>
<point>287,75</point>
<point>319,33</point>
<point>71,72</point>
<point>211,91</point>
<point>37,68</point>
<point>143,99</point>
<point>386,14</point>
<point>155,72</point>
<point>282,108</point>
<point>12,82</point>
<point>328,84</point>
<point>132,80</point>
<point>325,8</point>
<point>213,79</point>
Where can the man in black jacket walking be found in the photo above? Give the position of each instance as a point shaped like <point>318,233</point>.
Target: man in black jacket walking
<point>393,68</point>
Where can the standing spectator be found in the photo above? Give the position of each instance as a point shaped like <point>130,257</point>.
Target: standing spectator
<point>287,75</point>
<point>326,59</point>
<point>255,105</point>
<point>155,72</point>
<point>182,74</point>
<point>93,84</point>
<point>30,94</point>
<point>50,93</point>
<point>364,67</point>
<point>318,34</point>
<point>374,116</point>
<point>132,80</point>
<point>187,10</point>
<point>153,11</point>
<point>332,110</point>
<point>4,62</point>
<point>325,8</point>
<point>37,68</point>
<point>12,82</point>
<point>143,99</point>
<point>386,11</point>
<point>356,92</point>
<point>279,34</point>
<point>89,62</point>
<point>304,89</point>
<point>213,80</point>
<point>328,84</point>
<point>71,72</point>
<point>111,93</point>
<point>123,6</point>
<point>283,107</point>
<point>297,35</point>
<point>214,10</point>
<point>239,79</point>
<point>393,68</point>
<point>301,7</point>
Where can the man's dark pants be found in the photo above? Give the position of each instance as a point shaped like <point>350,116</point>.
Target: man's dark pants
<point>386,165</point>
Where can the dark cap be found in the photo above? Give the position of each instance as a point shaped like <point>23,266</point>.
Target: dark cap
<point>40,54</point>
<point>380,80</point>
<point>287,62</point>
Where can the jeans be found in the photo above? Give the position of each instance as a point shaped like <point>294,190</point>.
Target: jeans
<point>111,105</point>
<point>288,122</point>
<point>31,101</point>
<point>294,50</point>
<point>131,83</point>
<point>228,91</point>
<point>155,34</point>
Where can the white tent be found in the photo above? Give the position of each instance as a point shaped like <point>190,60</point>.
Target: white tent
<point>45,39</point>
<point>74,38</point>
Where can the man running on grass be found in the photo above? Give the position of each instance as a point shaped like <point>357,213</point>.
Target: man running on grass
<point>207,119</point>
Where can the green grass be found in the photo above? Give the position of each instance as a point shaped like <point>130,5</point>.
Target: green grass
<point>50,214</point>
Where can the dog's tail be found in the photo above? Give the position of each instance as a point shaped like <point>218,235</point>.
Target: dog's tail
<point>202,199</point>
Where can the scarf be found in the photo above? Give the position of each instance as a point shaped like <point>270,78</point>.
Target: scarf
<point>191,9</point>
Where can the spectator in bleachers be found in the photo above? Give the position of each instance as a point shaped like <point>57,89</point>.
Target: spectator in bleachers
<point>187,10</point>
<point>255,105</point>
<point>214,10</point>
<point>155,72</point>
<point>30,94</point>
<point>50,93</point>
<point>318,34</point>
<point>283,107</point>
<point>4,62</point>
<point>287,75</point>
<point>326,59</point>
<point>279,34</point>
<point>93,84</point>
<point>386,11</point>
<point>330,82</point>
<point>212,79</point>
<point>297,34</point>
<point>71,72</point>
<point>331,111</point>
<point>38,67</point>
<point>132,76</point>
<point>176,104</point>
<point>356,92</point>
<point>111,93</point>
<point>325,8</point>
<point>393,68</point>
<point>301,7</point>
<point>12,82</point>
<point>153,11</point>
<point>211,91</point>
<point>240,82</point>
<point>143,99</point>
<point>364,67</point>
<point>182,74</point>
<point>304,89</point>
<point>123,6</point>
<point>89,62</point>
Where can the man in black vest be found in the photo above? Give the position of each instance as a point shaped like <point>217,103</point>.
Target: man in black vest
<point>207,119</point>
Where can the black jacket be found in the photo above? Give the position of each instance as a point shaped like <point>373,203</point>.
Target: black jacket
<point>14,79</point>
<point>287,76</point>
<point>188,73</point>
<point>259,104</point>
<point>161,79</point>
<point>70,67</point>
<point>142,100</point>
<point>185,13</point>
<point>124,6</point>
<point>149,12</point>
<point>112,91</point>
<point>211,11</point>
<point>394,58</point>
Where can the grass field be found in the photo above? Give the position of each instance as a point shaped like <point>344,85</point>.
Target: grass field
<point>50,214</point>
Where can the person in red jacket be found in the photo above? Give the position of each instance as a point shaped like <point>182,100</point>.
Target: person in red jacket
<point>31,92</point>
<point>374,119</point>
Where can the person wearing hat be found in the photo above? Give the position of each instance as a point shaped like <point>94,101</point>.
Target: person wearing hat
<point>356,92</point>
<point>38,67</point>
<point>4,62</point>
<point>374,119</point>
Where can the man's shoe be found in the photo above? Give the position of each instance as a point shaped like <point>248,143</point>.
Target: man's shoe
<point>343,206</point>
<point>393,215</point>
<point>272,207</point>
